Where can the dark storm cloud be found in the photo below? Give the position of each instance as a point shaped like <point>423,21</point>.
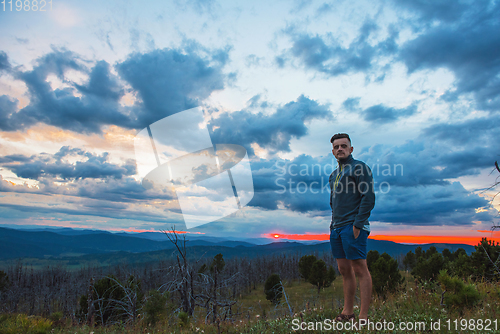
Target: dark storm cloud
<point>383,114</point>
<point>442,10</point>
<point>170,81</point>
<point>299,185</point>
<point>4,61</point>
<point>446,205</point>
<point>327,55</point>
<point>14,158</point>
<point>483,130</point>
<point>45,165</point>
<point>83,208</point>
<point>470,48</point>
<point>60,107</point>
<point>126,189</point>
<point>379,113</point>
<point>425,162</point>
<point>8,107</point>
<point>273,131</point>
<point>102,83</point>
<point>110,189</point>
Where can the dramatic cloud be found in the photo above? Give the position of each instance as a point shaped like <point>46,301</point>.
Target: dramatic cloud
<point>379,113</point>
<point>327,55</point>
<point>170,81</point>
<point>482,131</point>
<point>382,114</point>
<point>101,83</point>
<point>57,166</point>
<point>4,61</point>
<point>273,131</point>
<point>425,73</point>
<point>444,10</point>
<point>412,184</point>
<point>468,47</point>
<point>8,107</point>
<point>61,107</point>
<point>430,205</point>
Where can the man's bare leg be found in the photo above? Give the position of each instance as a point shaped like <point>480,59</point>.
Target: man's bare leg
<point>360,268</point>
<point>347,272</point>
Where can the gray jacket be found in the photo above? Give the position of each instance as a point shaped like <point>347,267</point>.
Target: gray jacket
<point>352,197</point>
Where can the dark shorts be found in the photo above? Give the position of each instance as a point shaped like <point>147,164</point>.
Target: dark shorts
<point>344,246</point>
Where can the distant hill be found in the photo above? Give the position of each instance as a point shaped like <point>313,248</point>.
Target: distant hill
<point>102,249</point>
<point>40,244</point>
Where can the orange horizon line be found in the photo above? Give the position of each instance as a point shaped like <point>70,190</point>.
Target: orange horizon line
<point>412,239</point>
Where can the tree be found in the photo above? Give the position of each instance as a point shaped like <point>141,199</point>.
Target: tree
<point>497,182</point>
<point>431,251</point>
<point>371,257</point>
<point>485,260</point>
<point>461,265</point>
<point>410,260</point>
<point>428,269</point>
<point>419,253</point>
<point>385,273</point>
<point>273,289</point>
<point>320,276</point>
<point>448,255</point>
<point>305,265</point>
<point>216,267</point>
<point>184,284</point>
<point>4,281</point>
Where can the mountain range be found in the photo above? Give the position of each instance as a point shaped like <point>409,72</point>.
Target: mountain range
<point>73,246</point>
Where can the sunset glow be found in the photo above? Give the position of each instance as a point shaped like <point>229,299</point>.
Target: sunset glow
<point>409,239</point>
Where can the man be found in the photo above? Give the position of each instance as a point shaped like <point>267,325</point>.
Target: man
<point>352,198</point>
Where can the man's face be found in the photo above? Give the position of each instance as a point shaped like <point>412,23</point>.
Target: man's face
<point>341,148</point>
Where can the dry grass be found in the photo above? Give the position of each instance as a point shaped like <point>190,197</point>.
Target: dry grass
<point>414,303</point>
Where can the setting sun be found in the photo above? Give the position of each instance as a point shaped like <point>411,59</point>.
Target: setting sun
<point>276,236</point>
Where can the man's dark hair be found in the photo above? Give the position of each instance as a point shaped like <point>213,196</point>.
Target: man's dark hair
<point>340,135</point>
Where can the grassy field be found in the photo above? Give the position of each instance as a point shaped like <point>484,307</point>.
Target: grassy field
<point>417,306</point>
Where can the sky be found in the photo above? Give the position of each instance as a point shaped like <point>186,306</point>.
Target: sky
<point>415,83</point>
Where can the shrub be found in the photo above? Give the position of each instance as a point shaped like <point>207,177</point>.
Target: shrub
<point>106,294</point>
<point>183,319</point>
<point>273,289</point>
<point>457,294</point>
<point>21,323</point>
<point>155,305</point>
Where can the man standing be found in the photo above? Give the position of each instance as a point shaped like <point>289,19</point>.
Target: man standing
<point>352,198</point>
